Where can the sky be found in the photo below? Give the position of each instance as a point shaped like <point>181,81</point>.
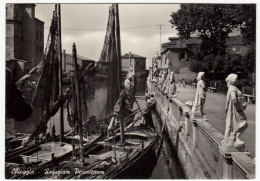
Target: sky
<point>85,24</point>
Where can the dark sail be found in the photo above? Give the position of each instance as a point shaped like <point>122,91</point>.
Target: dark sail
<point>109,64</point>
<point>45,97</point>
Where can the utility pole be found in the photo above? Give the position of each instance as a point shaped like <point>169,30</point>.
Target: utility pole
<point>160,36</point>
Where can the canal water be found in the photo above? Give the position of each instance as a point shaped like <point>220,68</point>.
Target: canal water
<point>166,166</point>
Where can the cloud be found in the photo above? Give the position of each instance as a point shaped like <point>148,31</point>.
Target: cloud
<point>144,40</point>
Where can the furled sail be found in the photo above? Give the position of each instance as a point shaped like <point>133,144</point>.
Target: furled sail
<point>109,64</point>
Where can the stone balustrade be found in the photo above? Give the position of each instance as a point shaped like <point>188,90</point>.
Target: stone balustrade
<point>198,144</point>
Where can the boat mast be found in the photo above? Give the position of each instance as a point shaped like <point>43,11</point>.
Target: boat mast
<point>76,79</point>
<point>118,55</point>
<point>60,79</point>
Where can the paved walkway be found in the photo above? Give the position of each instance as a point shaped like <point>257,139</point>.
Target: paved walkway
<point>215,110</point>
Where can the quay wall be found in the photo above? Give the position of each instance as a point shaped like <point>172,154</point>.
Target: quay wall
<point>198,144</point>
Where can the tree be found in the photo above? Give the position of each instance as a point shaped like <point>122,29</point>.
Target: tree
<point>214,22</point>
<point>228,63</point>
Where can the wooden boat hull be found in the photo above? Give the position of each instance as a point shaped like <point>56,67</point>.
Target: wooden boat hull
<point>135,169</point>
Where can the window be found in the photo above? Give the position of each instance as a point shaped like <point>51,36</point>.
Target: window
<point>182,55</point>
<point>37,35</point>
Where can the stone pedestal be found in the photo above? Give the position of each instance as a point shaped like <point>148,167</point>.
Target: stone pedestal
<point>197,115</point>
<point>194,133</point>
<point>232,148</point>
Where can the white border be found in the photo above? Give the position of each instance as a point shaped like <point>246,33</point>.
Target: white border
<point>2,57</point>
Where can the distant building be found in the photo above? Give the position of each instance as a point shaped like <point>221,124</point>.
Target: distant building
<point>139,62</point>
<point>175,56</point>
<point>69,64</point>
<point>24,35</point>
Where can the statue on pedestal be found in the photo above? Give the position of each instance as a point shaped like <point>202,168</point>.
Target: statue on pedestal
<point>167,83</point>
<point>149,80</point>
<point>160,78</point>
<point>236,121</point>
<point>155,71</point>
<point>200,97</point>
<point>172,86</point>
<point>165,76</point>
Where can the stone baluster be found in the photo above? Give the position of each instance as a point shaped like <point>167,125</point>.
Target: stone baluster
<point>186,126</point>
<point>227,167</point>
<point>152,87</point>
<point>165,102</point>
<point>170,107</point>
<point>180,116</point>
<point>194,132</point>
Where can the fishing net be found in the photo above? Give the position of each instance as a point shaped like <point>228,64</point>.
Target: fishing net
<point>44,93</point>
<point>108,69</point>
<point>100,84</point>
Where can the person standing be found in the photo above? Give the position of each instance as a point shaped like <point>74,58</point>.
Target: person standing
<point>236,121</point>
<point>183,83</point>
<point>200,97</point>
<point>124,105</point>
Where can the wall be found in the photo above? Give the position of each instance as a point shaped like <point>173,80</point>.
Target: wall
<point>126,64</point>
<point>170,59</point>
<point>39,44</point>
<point>21,28</point>
<point>198,144</point>
<point>140,65</point>
<point>68,62</point>
<point>28,34</point>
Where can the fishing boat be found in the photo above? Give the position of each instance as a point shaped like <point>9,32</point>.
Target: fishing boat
<point>110,158</point>
<point>119,156</point>
<point>32,148</point>
<point>85,146</point>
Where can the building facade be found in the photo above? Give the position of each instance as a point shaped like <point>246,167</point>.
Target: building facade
<point>138,61</point>
<point>175,55</point>
<point>24,35</point>
<point>68,64</point>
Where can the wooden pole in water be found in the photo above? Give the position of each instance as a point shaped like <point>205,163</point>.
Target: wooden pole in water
<point>60,80</point>
<point>76,79</point>
<point>118,52</point>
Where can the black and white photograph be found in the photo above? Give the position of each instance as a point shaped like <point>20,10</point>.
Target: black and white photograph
<point>121,90</point>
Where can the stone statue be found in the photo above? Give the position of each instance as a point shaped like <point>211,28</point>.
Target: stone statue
<point>172,86</point>
<point>164,81</point>
<point>167,83</point>
<point>200,97</point>
<point>155,68</point>
<point>149,80</point>
<point>236,122</point>
<point>161,80</point>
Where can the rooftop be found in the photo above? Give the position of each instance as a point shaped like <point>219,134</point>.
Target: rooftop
<point>80,57</point>
<point>132,55</point>
<point>177,43</point>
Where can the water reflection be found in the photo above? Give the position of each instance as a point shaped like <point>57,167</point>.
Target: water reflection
<point>140,84</point>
